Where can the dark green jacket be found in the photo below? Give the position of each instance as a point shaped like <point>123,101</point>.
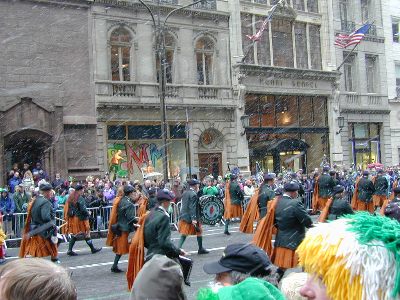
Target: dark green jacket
<point>365,190</point>
<point>339,208</point>
<point>325,185</point>
<point>381,185</point>
<point>189,209</point>
<point>291,220</point>
<point>157,235</point>
<point>266,194</point>
<point>20,200</point>
<point>80,209</point>
<point>41,213</point>
<point>236,193</point>
<point>125,214</point>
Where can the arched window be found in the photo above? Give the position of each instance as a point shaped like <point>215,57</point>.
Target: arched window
<point>204,58</point>
<point>169,57</point>
<point>120,42</point>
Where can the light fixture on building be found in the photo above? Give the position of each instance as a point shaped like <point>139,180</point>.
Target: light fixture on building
<point>340,121</point>
<point>245,119</point>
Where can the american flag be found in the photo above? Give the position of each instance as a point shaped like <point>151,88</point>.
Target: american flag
<point>344,40</point>
<point>258,35</point>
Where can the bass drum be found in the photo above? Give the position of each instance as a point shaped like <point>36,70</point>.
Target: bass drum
<point>211,209</point>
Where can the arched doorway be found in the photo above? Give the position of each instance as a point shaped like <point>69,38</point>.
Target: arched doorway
<point>210,153</point>
<point>281,154</point>
<point>27,146</point>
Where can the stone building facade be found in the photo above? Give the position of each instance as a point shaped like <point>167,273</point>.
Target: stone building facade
<point>46,101</point>
<point>200,106</point>
<point>391,24</point>
<point>285,84</point>
<point>362,95</point>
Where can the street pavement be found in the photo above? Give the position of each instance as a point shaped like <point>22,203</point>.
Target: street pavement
<point>94,280</point>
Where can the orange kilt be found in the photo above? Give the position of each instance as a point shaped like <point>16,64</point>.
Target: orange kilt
<point>186,228</point>
<point>370,207</point>
<point>321,202</point>
<point>76,226</point>
<point>38,246</point>
<point>235,211</point>
<point>120,244</point>
<point>379,200</point>
<point>284,258</point>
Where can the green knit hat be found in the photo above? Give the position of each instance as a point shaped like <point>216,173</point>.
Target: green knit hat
<point>251,288</point>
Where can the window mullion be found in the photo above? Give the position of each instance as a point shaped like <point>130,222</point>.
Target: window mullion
<point>121,78</point>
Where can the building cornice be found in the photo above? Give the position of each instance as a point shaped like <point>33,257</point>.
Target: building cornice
<point>66,3</point>
<point>280,72</point>
<point>167,8</point>
<point>365,111</point>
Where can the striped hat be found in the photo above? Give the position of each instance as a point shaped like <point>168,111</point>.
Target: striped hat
<point>357,257</point>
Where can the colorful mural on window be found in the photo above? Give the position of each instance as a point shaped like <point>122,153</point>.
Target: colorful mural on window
<point>136,159</point>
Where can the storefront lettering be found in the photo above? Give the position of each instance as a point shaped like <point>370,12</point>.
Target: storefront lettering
<point>304,84</point>
<point>273,82</point>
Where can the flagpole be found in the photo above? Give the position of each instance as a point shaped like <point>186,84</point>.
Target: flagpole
<point>352,50</point>
<point>347,56</point>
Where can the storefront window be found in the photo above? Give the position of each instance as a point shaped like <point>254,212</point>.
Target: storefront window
<point>365,143</point>
<point>140,151</point>
<point>320,111</point>
<point>286,111</point>
<point>268,111</point>
<point>306,112</point>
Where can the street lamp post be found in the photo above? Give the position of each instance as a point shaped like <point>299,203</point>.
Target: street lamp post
<point>162,78</point>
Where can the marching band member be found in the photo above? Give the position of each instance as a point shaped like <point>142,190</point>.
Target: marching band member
<point>336,206</point>
<point>381,186</point>
<point>362,197</point>
<point>233,201</point>
<point>322,190</point>
<point>77,220</point>
<point>121,224</point>
<point>40,229</point>
<point>189,223</point>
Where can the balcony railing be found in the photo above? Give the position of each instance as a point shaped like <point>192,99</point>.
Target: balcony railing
<point>172,91</point>
<point>353,99</point>
<point>398,92</point>
<point>208,92</point>
<point>374,100</point>
<point>172,2</point>
<point>348,26</point>
<point>123,89</point>
<point>209,5</point>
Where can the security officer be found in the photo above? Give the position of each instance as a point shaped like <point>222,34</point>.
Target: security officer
<point>233,208</point>
<point>122,221</point>
<point>189,223</point>
<point>40,214</point>
<point>336,207</point>
<point>291,220</point>
<point>157,230</point>
<point>266,194</point>
<point>77,218</point>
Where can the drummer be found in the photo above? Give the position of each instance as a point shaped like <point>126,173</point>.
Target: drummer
<point>189,223</point>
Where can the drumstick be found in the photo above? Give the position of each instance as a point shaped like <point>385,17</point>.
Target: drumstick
<point>62,225</point>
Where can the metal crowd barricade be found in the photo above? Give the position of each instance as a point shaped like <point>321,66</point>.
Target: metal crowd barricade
<point>308,200</point>
<point>174,212</point>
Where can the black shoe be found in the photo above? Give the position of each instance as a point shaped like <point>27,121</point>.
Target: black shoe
<point>227,233</point>
<point>203,251</point>
<point>95,250</point>
<point>72,253</point>
<point>187,283</point>
<point>56,261</point>
<point>116,270</point>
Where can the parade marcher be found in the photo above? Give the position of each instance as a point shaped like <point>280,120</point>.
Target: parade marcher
<point>266,194</point>
<point>77,220</point>
<point>189,223</point>
<point>362,198</point>
<point>152,202</point>
<point>233,200</point>
<point>40,239</point>
<point>381,186</point>
<point>291,220</point>
<point>121,224</point>
<point>392,210</point>
<point>154,234</point>
<point>355,257</point>
<point>322,190</point>
<point>336,206</point>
